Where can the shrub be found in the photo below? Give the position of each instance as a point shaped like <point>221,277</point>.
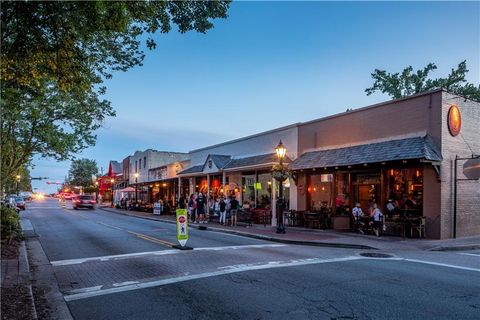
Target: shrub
<point>10,222</point>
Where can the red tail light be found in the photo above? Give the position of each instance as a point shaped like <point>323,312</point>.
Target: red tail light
<point>92,201</point>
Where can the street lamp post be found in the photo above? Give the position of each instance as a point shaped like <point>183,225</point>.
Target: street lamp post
<point>17,179</point>
<point>280,177</point>
<point>136,185</point>
<point>96,191</point>
<point>112,181</point>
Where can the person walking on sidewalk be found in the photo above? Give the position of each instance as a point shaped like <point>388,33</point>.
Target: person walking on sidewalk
<point>216,207</point>
<point>233,211</point>
<point>191,207</point>
<point>357,218</point>
<point>222,205</point>
<point>201,203</point>
<point>377,219</point>
<point>182,202</point>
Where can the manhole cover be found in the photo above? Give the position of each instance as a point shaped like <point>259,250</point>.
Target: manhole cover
<point>376,255</point>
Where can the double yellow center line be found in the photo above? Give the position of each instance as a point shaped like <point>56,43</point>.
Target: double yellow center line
<point>139,235</point>
<point>152,239</point>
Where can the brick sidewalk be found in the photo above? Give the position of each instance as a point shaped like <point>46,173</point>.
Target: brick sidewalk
<point>304,236</point>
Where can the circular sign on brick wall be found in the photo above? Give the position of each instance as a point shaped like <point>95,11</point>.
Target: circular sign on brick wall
<point>454,120</point>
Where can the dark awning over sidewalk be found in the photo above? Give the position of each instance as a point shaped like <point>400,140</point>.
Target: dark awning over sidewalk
<point>255,161</point>
<point>394,150</point>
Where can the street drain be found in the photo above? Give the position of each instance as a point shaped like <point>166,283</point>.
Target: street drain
<point>376,255</point>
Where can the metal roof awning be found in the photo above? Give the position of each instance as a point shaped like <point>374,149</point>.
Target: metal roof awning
<point>254,162</point>
<point>191,171</point>
<point>394,150</point>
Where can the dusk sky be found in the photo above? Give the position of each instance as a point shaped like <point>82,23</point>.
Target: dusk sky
<point>271,64</point>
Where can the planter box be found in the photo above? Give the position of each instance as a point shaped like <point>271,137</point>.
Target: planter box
<point>341,222</point>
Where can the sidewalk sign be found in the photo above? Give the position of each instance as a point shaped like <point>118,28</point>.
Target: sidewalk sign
<point>182,226</point>
<point>156,208</point>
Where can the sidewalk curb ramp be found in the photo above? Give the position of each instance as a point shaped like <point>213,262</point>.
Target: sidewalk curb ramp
<point>256,236</point>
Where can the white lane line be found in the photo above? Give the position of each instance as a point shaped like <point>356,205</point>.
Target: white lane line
<point>442,265</point>
<point>471,254</point>
<point>83,290</point>
<point>126,283</point>
<point>157,253</point>
<point>223,271</point>
<point>248,246</point>
<point>113,257</point>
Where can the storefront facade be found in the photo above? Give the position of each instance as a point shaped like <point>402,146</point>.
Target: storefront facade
<point>242,168</point>
<point>402,150</point>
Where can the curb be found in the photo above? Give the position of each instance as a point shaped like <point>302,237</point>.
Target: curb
<point>260,237</point>
<point>456,248</point>
<point>24,268</point>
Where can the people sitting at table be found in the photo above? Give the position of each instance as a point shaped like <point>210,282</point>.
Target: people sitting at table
<point>357,218</point>
<point>391,209</point>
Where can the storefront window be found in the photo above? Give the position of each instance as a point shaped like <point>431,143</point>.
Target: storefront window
<point>367,189</point>
<point>248,192</point>
<point>257,189</point>
<point>264,190</point>
<point>320,190</point>
<point>342,192</point>
<point>405,189</point>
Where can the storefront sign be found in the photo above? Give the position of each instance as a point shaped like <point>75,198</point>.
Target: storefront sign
<point>454,120</point>
<point>182,226</point>
<point>157,208</point>
<point>258,185</point>
<point>158,173</point>
<point>326,177</point>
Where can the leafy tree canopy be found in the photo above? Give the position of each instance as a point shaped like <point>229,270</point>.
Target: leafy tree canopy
<point>55,57</point>
<point>81,172</point>
<point>24,184</point>
<point>407,83</point>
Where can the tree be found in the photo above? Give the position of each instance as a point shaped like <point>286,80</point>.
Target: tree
<point>81,172</point>
<point>407,83</point>
<point>25,181</point>
<point>55,57</point>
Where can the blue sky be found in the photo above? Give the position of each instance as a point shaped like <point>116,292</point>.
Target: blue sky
<point>271,64</point>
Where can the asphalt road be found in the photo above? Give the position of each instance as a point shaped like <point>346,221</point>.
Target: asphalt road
<point>111,266</point>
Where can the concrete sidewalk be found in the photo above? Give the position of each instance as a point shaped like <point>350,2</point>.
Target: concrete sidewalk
<point>325,238</point>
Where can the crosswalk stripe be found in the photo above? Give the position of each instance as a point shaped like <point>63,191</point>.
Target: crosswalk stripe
<point>93,292</point>
<point>58,263</point>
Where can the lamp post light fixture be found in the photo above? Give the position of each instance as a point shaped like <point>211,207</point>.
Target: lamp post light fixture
<point>96,191</point>
<point>112,181</point>
<point>136,185</point>
<point>17,180</point>
<point>280,175</point>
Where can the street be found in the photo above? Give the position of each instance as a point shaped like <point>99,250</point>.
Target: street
<point>112,266</point>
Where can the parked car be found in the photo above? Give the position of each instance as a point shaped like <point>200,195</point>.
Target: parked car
<point>84,201</point>
<point>21,204</point>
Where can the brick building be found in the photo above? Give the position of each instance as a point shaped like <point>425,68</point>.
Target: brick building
<point>400,150</point>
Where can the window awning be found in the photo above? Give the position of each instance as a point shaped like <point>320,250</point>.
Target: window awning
<point>394,150</point>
